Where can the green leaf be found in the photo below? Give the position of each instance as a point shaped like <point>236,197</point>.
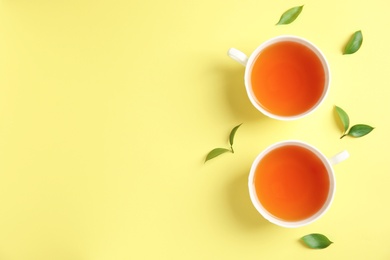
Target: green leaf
<point>216,152</point>
<point>359,130</point>
<point>343,117</point>
<point>316,241</point>
<point>232,134</point>
<point>290,15</point>
<point>354,43</point>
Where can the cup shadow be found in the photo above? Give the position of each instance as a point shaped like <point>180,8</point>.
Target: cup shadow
<point>236,95</point>
<point>241,205</point>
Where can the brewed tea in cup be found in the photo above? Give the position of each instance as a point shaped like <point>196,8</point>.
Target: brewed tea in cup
<point>286,77</point>
<point>292,184</point>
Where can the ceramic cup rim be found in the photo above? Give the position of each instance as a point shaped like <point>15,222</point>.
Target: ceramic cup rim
<point>283,38</point>
<point>278,221</point>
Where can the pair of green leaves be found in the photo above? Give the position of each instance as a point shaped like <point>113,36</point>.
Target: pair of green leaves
<point>218,151</point>
<point>353,44</point>
<point>358,130</point>
<point>316,241</point>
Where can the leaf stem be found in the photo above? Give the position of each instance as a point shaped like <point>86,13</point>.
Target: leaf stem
<point>343,136</point>
<point>231,149</point>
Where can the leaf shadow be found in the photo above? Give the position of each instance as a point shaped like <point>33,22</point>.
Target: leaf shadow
<point>338,121</point>
<point>302,243</point>
<point>344,46</point>
<point>241,206</point>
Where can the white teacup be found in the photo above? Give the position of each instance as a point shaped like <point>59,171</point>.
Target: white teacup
<point>292,183</point>
<point>286,77</point>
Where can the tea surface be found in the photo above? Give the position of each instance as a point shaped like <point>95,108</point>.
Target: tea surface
<point>291,182</point>
<point>287,78</point>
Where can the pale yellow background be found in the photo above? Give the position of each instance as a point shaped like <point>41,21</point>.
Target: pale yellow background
<point>108,109</point>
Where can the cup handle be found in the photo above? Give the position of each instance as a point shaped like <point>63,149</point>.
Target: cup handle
<point>338,158</point>
<point>238,56</point>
